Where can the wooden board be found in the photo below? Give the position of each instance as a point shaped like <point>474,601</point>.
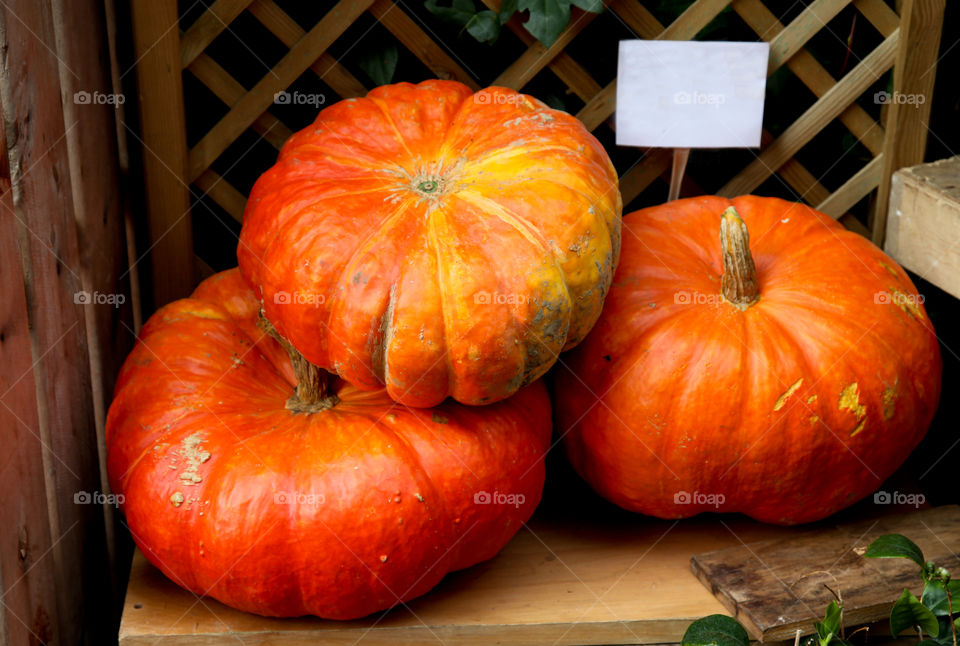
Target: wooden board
<point>923,225</point>
<point>614,579</point>
<point>776,586</point>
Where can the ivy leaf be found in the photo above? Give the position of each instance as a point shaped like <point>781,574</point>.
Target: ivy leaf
<point>831,622</point>
<point>507,9</point>
<point>485,27</point>
<point>379,65</point>
<point>894,546</point>
<point>909,612</point>
<point>459,12</point>
<point>715,630</point>
<point>548,18</point>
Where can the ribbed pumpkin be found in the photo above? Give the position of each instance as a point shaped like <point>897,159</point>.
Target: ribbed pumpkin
<point>336,507</point>
<point>435,241</point>
<point>783,373</point>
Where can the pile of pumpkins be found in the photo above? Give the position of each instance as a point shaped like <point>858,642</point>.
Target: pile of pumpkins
<point>356,410</point>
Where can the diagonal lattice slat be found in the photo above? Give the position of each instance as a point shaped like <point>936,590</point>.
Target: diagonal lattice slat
<point>248,108</point>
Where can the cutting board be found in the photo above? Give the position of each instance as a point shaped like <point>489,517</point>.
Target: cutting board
<point>775,586</point>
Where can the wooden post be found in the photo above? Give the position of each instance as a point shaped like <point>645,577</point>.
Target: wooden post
<point>156,44</point>
<point>54,559</point>
<point>906,124</point>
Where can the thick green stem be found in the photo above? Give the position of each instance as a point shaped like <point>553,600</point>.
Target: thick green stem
<point>739,281</point>
<point>313,383</point>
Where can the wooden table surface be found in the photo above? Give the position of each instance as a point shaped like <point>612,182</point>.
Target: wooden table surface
<point>621,579</point>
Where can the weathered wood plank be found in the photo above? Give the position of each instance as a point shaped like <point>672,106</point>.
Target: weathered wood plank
<point>923,225</point>
<point>46,230</point>
<point>163,139</point>
<point>906,123</point>
<point>776,587</point>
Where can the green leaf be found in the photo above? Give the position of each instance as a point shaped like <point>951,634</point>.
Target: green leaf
<point>379,65</point>
<point>715,630</point>
<point>928,642</point>
<point>908,612</point>
<point>894,546</point>
<point>507,9</point>
<point>831,621</point>
<point>485,27</point>
<point>459,12</point>
<point>593,6</point>
<point>935,597</point>
<point>548,18</point>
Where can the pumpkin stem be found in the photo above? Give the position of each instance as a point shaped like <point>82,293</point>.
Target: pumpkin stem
<point>739,282</point>
<point>313,383</point>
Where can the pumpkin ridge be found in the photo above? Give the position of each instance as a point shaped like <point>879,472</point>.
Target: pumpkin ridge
<point>393,126</point>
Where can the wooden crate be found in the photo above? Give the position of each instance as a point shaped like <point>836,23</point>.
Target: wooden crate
<point>923,224</point>
<point>908,45</point>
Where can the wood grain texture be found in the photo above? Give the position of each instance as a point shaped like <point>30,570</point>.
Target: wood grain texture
<point>27,576</point>
<point>609,581</point>
<point>907,123</point>
<point>156,43</point>
<point>775,587</point>
<point>923,222</point>
<point>91,147</point>
<point>45,217</point>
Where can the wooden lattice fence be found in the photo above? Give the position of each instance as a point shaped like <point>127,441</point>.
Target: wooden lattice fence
<point>909,41</point>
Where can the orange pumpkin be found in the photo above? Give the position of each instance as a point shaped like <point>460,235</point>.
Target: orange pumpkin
<point>783,374</point>
<point>337,504</point>
<point>435,241</point>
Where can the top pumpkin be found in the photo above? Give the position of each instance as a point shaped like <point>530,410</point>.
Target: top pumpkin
<point>436,241</point>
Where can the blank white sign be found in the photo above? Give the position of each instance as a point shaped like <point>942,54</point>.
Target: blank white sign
<point>687,94</point>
